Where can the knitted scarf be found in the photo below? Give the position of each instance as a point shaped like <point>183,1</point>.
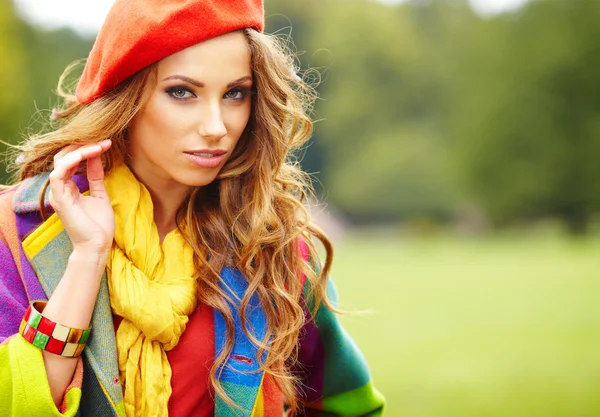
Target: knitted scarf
<point>153,287</point>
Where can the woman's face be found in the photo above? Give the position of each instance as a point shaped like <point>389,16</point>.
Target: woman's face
<point>194,116</point>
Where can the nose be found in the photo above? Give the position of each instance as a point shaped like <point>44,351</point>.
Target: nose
<point>211,125</point>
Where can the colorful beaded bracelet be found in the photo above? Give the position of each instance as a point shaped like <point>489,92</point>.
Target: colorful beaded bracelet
<point>50,336</point>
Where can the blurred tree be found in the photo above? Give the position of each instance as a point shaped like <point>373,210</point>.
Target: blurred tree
<point>293,20</point>
<point>49,54</point>
<point>32,60</point>
<point>382,100</point>
<point>14,77</point>
<point>527,123</point>
<point>424,105</point>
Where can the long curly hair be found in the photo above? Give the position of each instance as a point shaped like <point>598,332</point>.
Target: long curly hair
<point>252,217</point>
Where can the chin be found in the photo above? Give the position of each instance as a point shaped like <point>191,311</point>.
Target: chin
<point>198,180</point>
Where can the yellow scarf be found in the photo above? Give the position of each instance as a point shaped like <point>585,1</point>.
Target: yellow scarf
<point>153,287</point>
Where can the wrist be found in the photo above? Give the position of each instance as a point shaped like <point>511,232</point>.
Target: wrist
<point>89,258</point>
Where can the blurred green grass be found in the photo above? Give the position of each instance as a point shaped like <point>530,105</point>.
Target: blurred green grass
<point>495,327</point>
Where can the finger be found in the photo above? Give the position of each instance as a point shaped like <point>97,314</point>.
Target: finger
<point>95,169</point>
<point>66,162</point>
<point>51,198</point>
<point>93,150</point>
<point>65,151</point>
<point>105,144</point>
<point>95,174</point>
<point>64,169</point>
<point>89,151</point>
<point>65,165</point>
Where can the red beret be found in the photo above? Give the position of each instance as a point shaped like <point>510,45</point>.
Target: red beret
<point>138,33</point>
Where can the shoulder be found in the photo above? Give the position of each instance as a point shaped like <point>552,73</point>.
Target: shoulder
<point>17,204</point>
<point>27,194</point>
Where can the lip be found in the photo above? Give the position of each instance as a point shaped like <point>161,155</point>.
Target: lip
<point>213,161</point>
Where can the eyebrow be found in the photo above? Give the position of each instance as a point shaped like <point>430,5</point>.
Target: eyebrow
<point>201,85</point>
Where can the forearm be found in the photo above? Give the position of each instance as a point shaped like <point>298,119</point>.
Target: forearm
<point>72,305</point>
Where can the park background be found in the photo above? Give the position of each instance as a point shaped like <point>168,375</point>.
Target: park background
<point>455,159</point>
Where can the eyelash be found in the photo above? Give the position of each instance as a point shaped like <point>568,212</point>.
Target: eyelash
<point>179,88</point>
<point>245,92</point>
<point>242,90</point>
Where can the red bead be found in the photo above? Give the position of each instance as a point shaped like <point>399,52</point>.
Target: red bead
<point>46,326</point>
<point>27,313</point>
<point>29,333</point>
<point>55,346</point>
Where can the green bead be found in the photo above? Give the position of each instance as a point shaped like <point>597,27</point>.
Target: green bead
<point>41,340</point>
<point>84,336</point>
<point>34,319</point>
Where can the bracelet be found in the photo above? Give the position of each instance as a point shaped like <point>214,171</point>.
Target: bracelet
<point>50,336</point>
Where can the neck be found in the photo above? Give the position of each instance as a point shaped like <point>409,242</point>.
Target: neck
<point>166,203</point>
<point>167,197</point>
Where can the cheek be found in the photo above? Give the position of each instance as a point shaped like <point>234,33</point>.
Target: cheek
<point>160,117</point>
<point>238,119</point>
<point>163,123</point>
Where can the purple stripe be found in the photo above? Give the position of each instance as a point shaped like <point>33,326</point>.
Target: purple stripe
<point>26,223</point>
<point>13,296</point>
<point>312,359</point>
<point>13,300</point>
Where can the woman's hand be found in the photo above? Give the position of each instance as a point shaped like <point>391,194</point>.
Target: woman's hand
<point>89,220</point>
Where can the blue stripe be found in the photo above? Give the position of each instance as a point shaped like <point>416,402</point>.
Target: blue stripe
<point>241,375</point>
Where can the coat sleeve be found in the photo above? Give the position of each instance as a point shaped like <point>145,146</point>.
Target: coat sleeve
<point>335,376</point>
<point>24,388</point>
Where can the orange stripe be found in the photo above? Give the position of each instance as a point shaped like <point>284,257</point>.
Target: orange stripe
<point>9,234</point>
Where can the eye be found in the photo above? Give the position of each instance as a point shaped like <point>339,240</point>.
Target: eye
<point>180,92</point>
<point>237,94</point>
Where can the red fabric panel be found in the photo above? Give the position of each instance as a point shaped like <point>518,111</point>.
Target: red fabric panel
<point>273,397</point>
<point>190,363</point>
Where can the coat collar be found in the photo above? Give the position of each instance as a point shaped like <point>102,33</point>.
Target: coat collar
<point>48,248</point>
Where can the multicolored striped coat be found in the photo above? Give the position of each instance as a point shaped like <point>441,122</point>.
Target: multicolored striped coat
<point>336,378</point>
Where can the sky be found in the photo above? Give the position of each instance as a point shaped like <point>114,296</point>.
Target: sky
<point>86,16</point>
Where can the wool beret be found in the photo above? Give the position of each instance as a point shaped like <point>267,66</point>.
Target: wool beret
<point>138,33</point>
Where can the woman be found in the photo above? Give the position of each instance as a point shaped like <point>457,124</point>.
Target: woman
<point>163,223</point>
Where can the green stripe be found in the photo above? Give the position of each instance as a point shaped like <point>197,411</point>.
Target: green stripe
<point>363,401</point>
